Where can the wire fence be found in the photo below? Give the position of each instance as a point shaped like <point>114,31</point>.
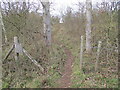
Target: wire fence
<point>103,54</point>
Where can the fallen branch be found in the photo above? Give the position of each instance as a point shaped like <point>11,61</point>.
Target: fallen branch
<point>33,60</point>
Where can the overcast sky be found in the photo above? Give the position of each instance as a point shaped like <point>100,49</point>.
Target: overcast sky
<point>61,5</point>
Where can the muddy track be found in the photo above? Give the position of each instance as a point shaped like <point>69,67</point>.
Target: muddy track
<point>65,81</point>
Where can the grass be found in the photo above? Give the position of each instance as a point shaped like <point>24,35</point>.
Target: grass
<point>54,62</point>
<point>88,78</point>
<point>31,79</point>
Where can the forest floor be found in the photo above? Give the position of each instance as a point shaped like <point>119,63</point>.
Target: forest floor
<point>65,81</point>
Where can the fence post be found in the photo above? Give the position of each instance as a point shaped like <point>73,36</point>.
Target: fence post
<point>98,54</point>
<point>81,53</point>
<point>117,43</point>
<point>107,56</point>
<point>16,48</point>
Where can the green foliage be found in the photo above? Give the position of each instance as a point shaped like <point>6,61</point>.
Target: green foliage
<point>5,85</point>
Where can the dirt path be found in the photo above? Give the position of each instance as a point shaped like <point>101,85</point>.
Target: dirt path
<point>65,81</point>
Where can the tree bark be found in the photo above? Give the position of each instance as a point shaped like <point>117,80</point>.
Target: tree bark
<point>2,27</point>
<point>47,23</point>
<point>0,55</point>
<point>88,25</point>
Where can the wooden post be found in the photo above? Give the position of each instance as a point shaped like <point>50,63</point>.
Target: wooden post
<point>33,60</point>
<point>98,54</point>
<point>9,52</point>
<point>107,56</point>
<point>117,43</point>
<point>16,48</point>
<point>18,51</point>
<point>81,52</point>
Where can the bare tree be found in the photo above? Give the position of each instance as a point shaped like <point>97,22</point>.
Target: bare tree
<point>0,51</point>
<point>88,25</point>
<point>2,26</point>
<point>47,22</point>
<point>15,15</point>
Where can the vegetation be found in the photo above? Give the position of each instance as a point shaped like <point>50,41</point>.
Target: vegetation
<point>28,26</point>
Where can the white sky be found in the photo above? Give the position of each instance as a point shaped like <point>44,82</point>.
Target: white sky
<point>61,5</point>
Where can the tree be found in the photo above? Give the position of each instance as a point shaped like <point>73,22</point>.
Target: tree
<point>14,17</point>
<point>88,25</point>
<point>0,52</point>
<point>47,22</point>
<point>2,26</point>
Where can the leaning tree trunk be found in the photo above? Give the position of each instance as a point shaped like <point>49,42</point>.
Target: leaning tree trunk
<point>88,25</point>
<point>47,23</point>
<point>0,54</point>
<point>2,26</point>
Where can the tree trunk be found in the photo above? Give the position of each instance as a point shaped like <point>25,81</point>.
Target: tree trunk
<point>2,26</point>
<point>0,54</point>
<point>47,23</point>
<point>88,25</point>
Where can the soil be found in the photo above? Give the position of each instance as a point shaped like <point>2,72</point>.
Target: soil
<point>65,81</point>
